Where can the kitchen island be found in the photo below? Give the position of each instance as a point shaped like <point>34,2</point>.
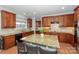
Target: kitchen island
<point>46,40</point>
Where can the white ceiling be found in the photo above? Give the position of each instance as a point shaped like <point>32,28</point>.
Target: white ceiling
<point>39,10</point>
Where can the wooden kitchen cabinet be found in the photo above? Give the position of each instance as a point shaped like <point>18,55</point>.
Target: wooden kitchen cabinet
<point>62,37</point>
<point>8,41</point>
<point>24,34</point>
<point>66,20</point>
<point>61,20</point>
<point>29,22</point>
<point>69,38</point>
<point>38,23</point>
<point>46,22</point>
<point>8,19</point>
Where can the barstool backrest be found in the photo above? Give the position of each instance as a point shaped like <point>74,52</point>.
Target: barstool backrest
<point>21,46</point>
<point>32,48</point>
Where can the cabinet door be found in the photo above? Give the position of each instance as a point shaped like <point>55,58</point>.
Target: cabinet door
<point>13,21</point>
<point>70,38</point>
<point>62,37</point>
<point>70,20</point>
<point>48,22</point>
<point>5,19</point>
<point>44,22</point>
<point>61,20</point>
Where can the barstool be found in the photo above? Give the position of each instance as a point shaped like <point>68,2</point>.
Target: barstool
<point>21,46</point>
<point>32,48</point>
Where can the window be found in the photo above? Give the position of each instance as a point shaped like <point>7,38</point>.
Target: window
<point>20,25</point>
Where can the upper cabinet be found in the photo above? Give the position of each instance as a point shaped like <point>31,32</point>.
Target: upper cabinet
<point>8,19</point>
<point>64,20</point>
<point>46,21</point>
<point>68,20</point>
<point>29,22</point>
<point>38,23</point>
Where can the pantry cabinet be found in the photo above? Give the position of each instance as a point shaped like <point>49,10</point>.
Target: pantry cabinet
<point>8,19</point>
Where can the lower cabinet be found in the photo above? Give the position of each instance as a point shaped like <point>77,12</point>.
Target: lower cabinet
<point>8,41</point>
<point>67,38</point>
<point>24,34</point>
<point>63,37</point>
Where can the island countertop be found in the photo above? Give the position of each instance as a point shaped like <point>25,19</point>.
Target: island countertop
<point>48,40</point>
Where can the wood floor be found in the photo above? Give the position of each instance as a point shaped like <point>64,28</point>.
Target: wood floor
<point>64,49</point>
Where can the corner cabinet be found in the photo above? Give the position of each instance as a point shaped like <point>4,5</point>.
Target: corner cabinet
<point>8,19</point>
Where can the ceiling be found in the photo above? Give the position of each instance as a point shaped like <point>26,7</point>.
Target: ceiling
<point>39,10</point>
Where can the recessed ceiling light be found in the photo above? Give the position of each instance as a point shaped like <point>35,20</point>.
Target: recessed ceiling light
<point>62,7</point>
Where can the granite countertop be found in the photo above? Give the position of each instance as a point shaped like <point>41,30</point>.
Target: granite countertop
<point>69,30</point>
<point>7,32</point>
<point>48,40</point>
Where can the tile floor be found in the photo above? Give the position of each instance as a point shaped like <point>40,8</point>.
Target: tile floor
<point>64,49</point>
